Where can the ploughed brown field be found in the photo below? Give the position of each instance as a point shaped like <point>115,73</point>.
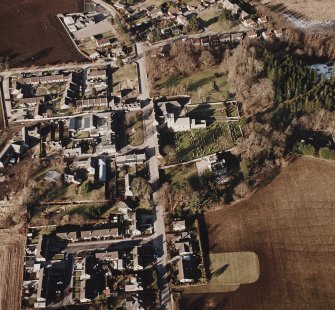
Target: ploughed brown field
<point>312,10</point>
<point>32,35</point>
<point>290,225</point>
<point>11,270</point>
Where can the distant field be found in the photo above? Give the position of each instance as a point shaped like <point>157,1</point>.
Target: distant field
<point>32,35</point>
<point>234,268</point>
<point>11,270</point>
<point>290,225</point>
<point>313,10</point>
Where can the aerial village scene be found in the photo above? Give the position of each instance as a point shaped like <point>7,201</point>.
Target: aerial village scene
<point>117,141</point>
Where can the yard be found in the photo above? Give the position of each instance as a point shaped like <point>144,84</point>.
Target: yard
<point>207,112</point>
<point>290,225</point>
<point>213,20</point>
<point>197,143</point>
<point>61,191</point>
<point>203,86</point>
<point>135,128</point>
<point>182,175</point>
<point>126,72</point>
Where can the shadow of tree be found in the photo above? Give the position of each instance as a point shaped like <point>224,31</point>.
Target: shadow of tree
<point>220,271</point>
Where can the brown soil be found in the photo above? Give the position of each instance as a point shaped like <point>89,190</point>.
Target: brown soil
<point>290,225</point>
<point>313,10</point>
<point>32,35</point>
<point>11,267</point>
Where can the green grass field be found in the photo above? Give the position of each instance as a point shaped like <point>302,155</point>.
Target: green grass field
<point>213,22</point>
<point>193,144</point>
<point>202,86</point>
<point>126,72</point>
<point>207,112</point>
<point>136,135</point>
<point>234,268</point>
<point>182,175</point>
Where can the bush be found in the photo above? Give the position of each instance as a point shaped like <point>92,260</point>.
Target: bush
<point>304,149</point>
<point>86,187</point>
<point>326,153</point>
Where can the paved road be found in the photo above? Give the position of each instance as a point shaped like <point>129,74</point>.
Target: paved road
<point>159,238</point>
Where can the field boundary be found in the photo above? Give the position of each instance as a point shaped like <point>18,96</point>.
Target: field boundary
<point>2,105</point>
<point>69,35</point>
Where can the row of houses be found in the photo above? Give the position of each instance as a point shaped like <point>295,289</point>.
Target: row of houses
<point>94,234</point>
<point>45,79</point>
<point>49,278</point>
<point>185,258</point>
<point>234,37</point>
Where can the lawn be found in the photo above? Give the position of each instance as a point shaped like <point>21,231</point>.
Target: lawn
<point>203,86</point>
<point>197,143</point>
<point>182,175</point>
<point>61,191</point>
<point>233,268</point>
<point>235,130</point>
<point>126,72</point>
<point>290,225</point>
<point>207,112</point>
<point>213,112</point>
<point>212,21</point>
<point>147,3</point>
<point>82,135</point>
<point>136,135</point>
<point>135,128</point>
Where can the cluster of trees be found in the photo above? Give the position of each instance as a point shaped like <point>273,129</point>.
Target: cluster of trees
<point>247,78</point>
<point>308,149</point>
<point>297,99</point>
<point>298,90</point>
<point>290,76</point>
<point>183,60</point>
<point>185,199</point>
<point>142,192</point>
<point>300,42</point>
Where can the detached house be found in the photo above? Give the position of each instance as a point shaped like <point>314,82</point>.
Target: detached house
<point>278,33</point>
<point>267,35</point>
<point>249,23</point>
<point>251,34</point>
<point>104,42</point>
<point>262,20</point>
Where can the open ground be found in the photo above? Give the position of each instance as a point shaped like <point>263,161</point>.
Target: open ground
<point>11,269</point>
<point>33,35</point>
<point>290,225</point>
<point>312,10</point>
